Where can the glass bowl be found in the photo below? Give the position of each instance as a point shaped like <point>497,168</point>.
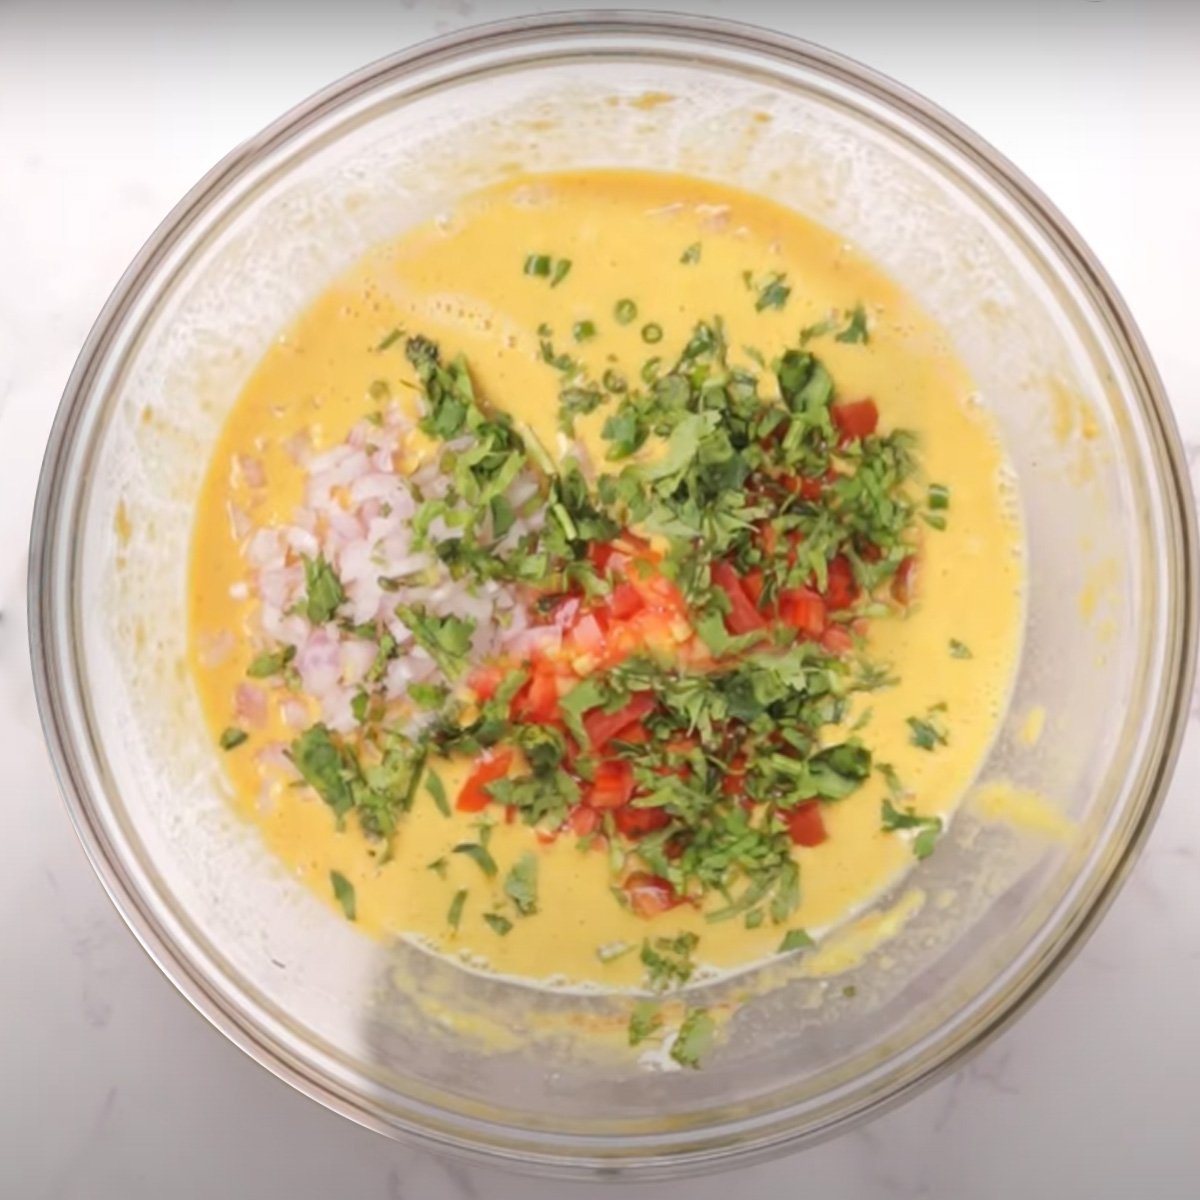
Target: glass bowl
<point>406,1043</point>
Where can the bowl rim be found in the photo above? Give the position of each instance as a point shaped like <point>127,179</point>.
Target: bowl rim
<point>715,34</point>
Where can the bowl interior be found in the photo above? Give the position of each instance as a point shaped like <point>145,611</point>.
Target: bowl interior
<point>404,1041</point>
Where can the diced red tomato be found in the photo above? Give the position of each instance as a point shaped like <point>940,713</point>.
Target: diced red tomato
<point>494,765</point>
<point>735,778</point>
<point>586,634</point>
<point>537,701</point>
<point>601,727</point>
<point>583,821</point>
<point>806,489</point>
<point>902,581</point>
<point>837,639</point>
<point>803,610</point>
<point>752,585</point>
<point>485,680</point>
<point>612,785</point>
<point>625,601</point>
<point>855,418</point>
<point>805,825</point>
<point>637,822</point>
<point>841,590</point>
<point>649,894</point>
<point>743,616</point>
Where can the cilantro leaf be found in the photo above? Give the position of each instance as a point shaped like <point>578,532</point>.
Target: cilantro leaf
<point>454,916</point>
<point>856,329</point>
<point>644,1022</point>
<point>343,891</point>
<point>499,924</point>
<point>520,884</point>
<point>232,737</point>
<point>479,855</point>
<point>269,663</point>
<point>795,939</point>
<point>325,592</point>
<point>437,790</point>
<point>694,1039</point>
<point>322,766</point>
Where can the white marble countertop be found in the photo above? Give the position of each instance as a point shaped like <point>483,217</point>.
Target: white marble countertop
<point>110,1085</point>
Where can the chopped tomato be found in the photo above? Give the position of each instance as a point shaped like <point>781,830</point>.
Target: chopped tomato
<point>474,796</point>
<point>583,821</point>
<point>805,826</point>
<point>902,581</point>
<point>587,634</point>
<point>612,786</point>
<point>649,894</point>
<point>752,585</point>
<point>635,735</point>
<point>537,701</point>
<point>485,680</point>
<point>855,418</point>
<point>637,822</point>
<point>837,640</point>
<point>743,616</point>
<point>602,727</point>
<point>735,778</point>
<point>803,610</point>
<point>806,489</point>
<point>841,590</point>
<point>625,601</point>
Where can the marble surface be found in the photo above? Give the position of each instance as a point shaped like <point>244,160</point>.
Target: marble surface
<point>110,1085</point>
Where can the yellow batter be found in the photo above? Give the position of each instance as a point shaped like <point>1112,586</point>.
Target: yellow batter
<point>460,282</point>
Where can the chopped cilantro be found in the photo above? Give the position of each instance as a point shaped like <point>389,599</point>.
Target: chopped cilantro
<point>583,331</point>
<point>269,663</point>
<point>959,649</point>
<point>232,737</point>
<point>437,790</point>
<point>644,1022</point>
<point>928,732</point>
<point>520,884</point>
<point>343,891</point>
<point>939,496</point>
<point>694,1039</point>
<point>390,339</point>
<point>795,939</point>
<point>479,855</point>
<point>325,592</point>
<point>454,916</point>
<point>499,924</point>
<point>927,829</point>
<point>447,639</point>
<point>856,329</point>
<point>691,255</point>
<point>773,291</point>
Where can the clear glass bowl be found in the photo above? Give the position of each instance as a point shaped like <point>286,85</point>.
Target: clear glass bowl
<point>408,1044</point>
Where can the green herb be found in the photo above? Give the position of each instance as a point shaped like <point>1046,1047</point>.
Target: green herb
<point>447,639</point>
<point>499,924</point>
<point>343,891</point>
<point>695,1038</point>
<point>795,939</point>
<point>651,333</point>
<point>939,496</point>
<point>644,1022</point>
<point>232,737</point>
<point>538,265</point>
<point>928,829</point>
<point>479,855</point>
<point>323,767</point>
<point>928,732</point>
<point>691,255</point>
<point>669,960</point>
<point>773,291</point>
<point>561,268</point>
<point>269,663</point>
<point>856,330</point>
<point>437,789</point>
<point>360,706</point>
<point>816,330</point>
<point>625,312</point>
<point>959,649</point>
<point>325,592</point>
<point>454,916</point>
<point>520,884</point>
<point>581,331</point>
<point>390,339</point>
<point>614,381</point>
<point>439,867</point>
